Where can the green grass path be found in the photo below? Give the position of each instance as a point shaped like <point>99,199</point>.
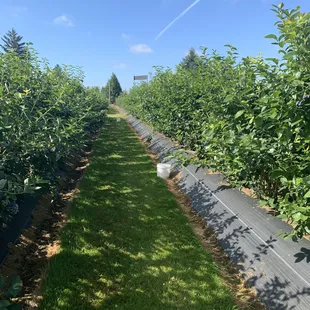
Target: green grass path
<point>127,245</point>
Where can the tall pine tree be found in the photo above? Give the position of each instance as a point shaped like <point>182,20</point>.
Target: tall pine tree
<point>113,88</point>
<point>13,42</point>
<point>190,61</point>
<point>58,70</point>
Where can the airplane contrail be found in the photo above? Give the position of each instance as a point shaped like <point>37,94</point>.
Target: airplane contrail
<point>178,17</point>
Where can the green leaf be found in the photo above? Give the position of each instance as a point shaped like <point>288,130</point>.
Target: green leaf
<point>307,195</point>
<point>239,113</point>
<point>276,174</point>
<point>271,36</point>
<point>299,216</point>
<point>271,202</point>
<point>298,75</point>
<point>28,189</point>
<point>258,121</point>
<point>297,83</point>
<point>307,180</point>
<point>15,287</point>
<point>284,181</point>
<point>3,183</point>
<point>288,236</point>
<point>229,98</point>
<point>290,54</point>
<point>263,203</point>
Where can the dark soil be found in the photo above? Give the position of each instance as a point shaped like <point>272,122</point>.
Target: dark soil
<point>32,237</point>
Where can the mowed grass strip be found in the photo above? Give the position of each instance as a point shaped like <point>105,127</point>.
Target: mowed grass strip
<point>127,244</point>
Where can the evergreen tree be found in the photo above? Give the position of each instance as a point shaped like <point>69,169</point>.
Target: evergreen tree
<point>190,61</point>
<point>58,70</point>
<point>113,88</point>
<point>13,42</point>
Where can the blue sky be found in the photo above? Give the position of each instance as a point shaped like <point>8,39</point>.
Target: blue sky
<point>105,36</point>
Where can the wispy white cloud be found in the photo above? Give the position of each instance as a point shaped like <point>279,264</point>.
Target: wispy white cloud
<point>140,48</point>
<point>176,19</point>
<point>63,20</point>
<point>125,36</point>
<point>121,66</point>
<point>17,10</point>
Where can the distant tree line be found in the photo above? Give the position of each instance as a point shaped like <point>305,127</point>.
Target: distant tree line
<point>13,42</point>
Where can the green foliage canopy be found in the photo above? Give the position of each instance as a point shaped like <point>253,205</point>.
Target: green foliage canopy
<point>249,118</point>
<point>46,116</point>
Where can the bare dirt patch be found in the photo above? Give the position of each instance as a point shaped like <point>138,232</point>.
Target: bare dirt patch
<point>249,191</point>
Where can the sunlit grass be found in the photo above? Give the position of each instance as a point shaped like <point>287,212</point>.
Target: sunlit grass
<point>127,245</point>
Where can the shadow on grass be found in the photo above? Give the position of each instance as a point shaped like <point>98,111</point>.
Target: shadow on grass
<point>127,245</point>
<point>275,292</point>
